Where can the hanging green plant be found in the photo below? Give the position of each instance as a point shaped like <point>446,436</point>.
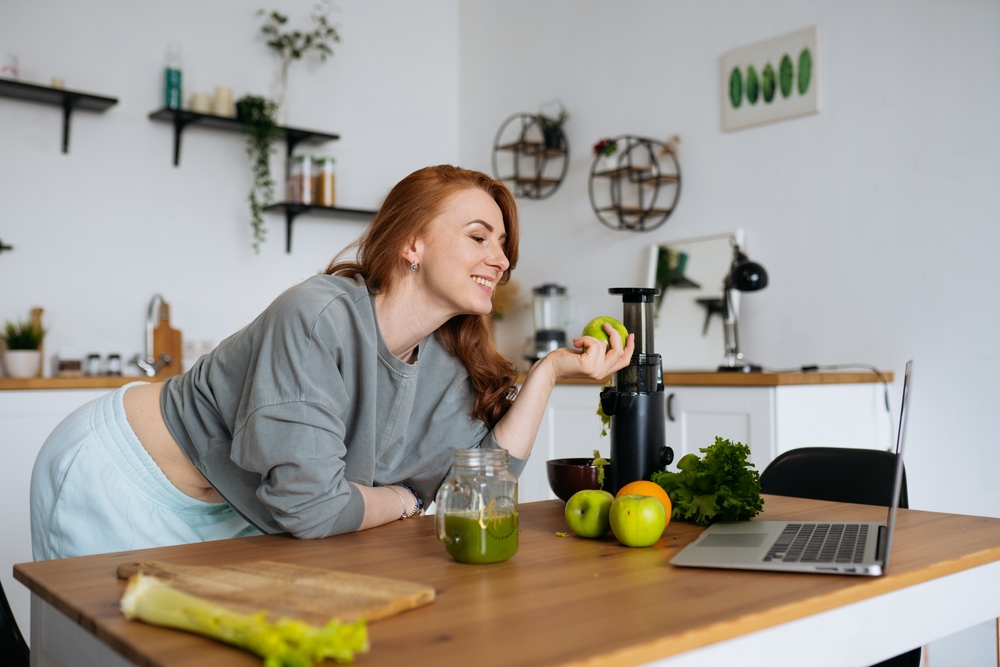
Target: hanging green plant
<point>256,116</point>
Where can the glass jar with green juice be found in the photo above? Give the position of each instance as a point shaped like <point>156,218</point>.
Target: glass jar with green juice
<point>476,515</point>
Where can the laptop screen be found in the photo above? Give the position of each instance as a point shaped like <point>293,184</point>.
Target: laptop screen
<point>898,477</point>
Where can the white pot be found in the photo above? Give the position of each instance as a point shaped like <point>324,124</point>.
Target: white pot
<point>22,363</point>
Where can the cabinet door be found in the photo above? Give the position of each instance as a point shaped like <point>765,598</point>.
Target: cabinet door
<point>700,414</point>
<point>570,428</point>
<point>833,415</point>
<point>26,419</point>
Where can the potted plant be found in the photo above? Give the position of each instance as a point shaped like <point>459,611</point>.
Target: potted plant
<point>552,123</point>
<point>604,151</point>
<point>291,45</point>
<point>22,358</point>
<point>256,116</point>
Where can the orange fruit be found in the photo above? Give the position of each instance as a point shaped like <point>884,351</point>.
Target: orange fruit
<point>646,488</point>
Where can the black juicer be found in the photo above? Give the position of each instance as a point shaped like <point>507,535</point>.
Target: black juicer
<point>636,402</point>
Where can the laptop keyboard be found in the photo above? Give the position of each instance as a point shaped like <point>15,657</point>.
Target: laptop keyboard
<point>820,543</point>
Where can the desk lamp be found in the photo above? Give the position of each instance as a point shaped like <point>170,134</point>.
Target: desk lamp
<point>745,276</point>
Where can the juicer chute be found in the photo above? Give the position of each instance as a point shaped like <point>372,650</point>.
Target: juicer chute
<point>636,402</point>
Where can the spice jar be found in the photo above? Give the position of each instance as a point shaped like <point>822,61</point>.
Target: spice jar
<point>326,181</point>
<point>302,177</point>
<point>476,516</point>
<point>114,364</point>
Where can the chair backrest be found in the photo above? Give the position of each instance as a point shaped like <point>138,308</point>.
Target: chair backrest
<point>13,650</point>
<point>861,476</point>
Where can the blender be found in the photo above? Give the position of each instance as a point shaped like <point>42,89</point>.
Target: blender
<point>635,402</point>
<point>550,308</point>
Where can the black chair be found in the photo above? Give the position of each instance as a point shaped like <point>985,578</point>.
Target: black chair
<point>861,476</point>
<point>13,650</point>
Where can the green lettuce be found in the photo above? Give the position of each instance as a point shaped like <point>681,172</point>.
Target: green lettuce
<point>721,486</point>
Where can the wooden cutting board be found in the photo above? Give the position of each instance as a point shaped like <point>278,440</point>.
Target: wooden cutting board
<point>167,339</point>
<point>284,590</point>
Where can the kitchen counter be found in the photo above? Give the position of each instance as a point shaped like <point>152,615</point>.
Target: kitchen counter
<point>567,601</point>
<point>670,378</point>
<point>103,382</point>
<point>717,379</point>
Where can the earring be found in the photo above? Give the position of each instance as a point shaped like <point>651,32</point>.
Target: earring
<point>413,267</point>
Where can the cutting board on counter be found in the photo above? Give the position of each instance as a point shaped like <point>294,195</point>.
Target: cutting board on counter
<point>167,339</point>
<point>282,590</point>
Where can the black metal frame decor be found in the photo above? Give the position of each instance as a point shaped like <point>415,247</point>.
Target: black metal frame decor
<point>539,155</point>
<point>642,187</point>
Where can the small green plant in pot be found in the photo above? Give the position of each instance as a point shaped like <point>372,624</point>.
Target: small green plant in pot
<point>552,116</point>
<point>22,358</point>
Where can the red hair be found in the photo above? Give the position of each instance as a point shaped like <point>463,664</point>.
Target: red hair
<point>407,212</point>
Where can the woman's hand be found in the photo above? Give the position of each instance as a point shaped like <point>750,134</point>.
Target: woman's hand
<point>517,430</point>
<point>595,362</point>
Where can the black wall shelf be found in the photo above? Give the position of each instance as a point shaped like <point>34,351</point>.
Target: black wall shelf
<point>69,100</point>
<point>641,190</point>
<point>292,210</point>
<point>531,153</point>
<point>181,118</point>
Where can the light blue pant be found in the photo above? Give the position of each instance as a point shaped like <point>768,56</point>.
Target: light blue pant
<point>95,489</point>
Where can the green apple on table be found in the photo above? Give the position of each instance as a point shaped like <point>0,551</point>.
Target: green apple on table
<point>587,512</point>
<point>637,521</point>
<point>595,328</point>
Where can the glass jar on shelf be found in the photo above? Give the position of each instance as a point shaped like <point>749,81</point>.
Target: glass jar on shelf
<point>326,182</point>
<point>302,177</point>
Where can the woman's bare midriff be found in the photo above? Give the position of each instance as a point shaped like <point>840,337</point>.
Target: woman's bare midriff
<point>142,409</point>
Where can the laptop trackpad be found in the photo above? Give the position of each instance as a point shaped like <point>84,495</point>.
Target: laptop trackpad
<point>733,540</point>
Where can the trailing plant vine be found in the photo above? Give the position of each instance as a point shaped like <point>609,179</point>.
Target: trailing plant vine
<point>256,116</point>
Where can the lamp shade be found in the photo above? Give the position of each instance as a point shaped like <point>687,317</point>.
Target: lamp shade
<point>747,276</point>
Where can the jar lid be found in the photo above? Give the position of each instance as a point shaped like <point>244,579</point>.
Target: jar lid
<point>480,457</point>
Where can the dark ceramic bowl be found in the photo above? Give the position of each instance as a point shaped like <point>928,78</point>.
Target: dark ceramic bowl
<point>567,476</point>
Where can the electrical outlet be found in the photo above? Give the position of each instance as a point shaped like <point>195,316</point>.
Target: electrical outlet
<point>195,349</point>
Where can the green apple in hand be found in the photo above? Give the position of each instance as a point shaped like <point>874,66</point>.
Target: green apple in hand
<point>587,512</point>
<point>637,521</point>
<point>595,328</point>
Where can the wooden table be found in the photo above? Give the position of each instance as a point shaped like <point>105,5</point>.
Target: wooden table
<point>564,601</point>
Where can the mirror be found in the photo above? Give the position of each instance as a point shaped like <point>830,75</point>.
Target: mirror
<point>688,331</point>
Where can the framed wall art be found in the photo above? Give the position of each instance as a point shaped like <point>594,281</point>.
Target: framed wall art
<point>771,80</point>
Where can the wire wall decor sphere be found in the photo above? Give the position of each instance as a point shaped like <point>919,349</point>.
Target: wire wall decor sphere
<point>639,190</point>
<point>531,154</point>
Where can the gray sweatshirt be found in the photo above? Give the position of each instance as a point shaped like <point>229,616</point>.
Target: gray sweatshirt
<point>283,414</point>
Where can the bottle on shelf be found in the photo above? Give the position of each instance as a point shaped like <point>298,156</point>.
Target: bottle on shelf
<point>172,77</point>
<point>326,180</point>
<point>303,178</point>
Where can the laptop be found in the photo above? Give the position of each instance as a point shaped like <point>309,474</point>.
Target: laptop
<point>830,547</point>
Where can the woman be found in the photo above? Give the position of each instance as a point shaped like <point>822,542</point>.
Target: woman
<point>338,409</point>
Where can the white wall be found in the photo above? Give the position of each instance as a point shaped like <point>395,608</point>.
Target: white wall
<point>98,231</point>
<point>876,219</point>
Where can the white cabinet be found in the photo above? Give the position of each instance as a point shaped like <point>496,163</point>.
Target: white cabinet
<point>570,428</point>
<point>773,420</point>
<point>26,419</point>
<point>769,419</point>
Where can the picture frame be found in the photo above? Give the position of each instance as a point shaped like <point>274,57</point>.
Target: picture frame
<point>773,80</point>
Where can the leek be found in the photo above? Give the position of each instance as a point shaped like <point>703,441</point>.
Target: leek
<point>285,643</point>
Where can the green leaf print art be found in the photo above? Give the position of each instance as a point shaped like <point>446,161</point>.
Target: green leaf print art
<point>785,76</point>
<point>767,82</point>
<point>736,88</point>
<point>805,70</point>
<point>753,85</point>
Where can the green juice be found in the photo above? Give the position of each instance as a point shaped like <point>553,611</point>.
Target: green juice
<point>471,542</point>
